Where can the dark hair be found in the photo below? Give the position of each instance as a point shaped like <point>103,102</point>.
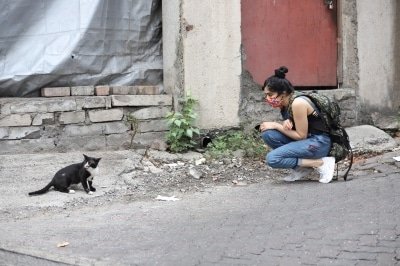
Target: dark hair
<point>278,83</point>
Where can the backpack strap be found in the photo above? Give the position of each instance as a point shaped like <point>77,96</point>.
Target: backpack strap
<point>351,163</point>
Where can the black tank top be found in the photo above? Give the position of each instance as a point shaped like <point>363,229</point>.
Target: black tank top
<point>315,123</point>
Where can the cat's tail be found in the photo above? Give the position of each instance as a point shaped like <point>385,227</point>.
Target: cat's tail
<point>41,191</point>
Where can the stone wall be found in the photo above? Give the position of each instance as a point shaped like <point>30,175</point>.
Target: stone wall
<point>31,125</point>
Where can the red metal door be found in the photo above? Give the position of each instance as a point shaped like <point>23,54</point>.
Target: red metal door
<point>301,35</point>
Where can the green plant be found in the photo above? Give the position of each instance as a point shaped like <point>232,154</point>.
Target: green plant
<point>181,126</point>
<point>227,143</point>
<point>133,123</point>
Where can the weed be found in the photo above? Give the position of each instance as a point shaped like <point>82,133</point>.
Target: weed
<point>181,126</point>
<point>133,123</point>
<point>227,143</point>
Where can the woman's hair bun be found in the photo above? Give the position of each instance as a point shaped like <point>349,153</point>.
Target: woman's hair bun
<point>280,72</point>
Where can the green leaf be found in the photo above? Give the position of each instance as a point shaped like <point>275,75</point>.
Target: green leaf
<point>189,133</point>
<point>178,123</point>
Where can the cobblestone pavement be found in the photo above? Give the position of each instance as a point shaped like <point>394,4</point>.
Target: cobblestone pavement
<point>271,223</point>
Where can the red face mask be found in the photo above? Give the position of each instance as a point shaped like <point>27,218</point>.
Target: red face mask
<point>274,102</point>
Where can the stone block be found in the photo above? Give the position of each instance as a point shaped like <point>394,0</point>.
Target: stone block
<point>86,130</point>
<point>82,91</point>
<point>102,90</point>
<point>5,107</point>
<point>118,141</point>
<point>42,105</point>
<point>81,143</point>
<point>61,105</point>
<point>35,105</point>
<point>151,112</point>
<point>115,114</point>
<point>153,125</point>
<point>56,91</point>
<point>72,117</point>
<point>115,128</point>
<point>16,120</point>
<point>135,90</point>
<point>144,139</point>
<point>3,132</point>
<point>24,133</point>
<point>91,102</point>
<point>26,146</point>
<point>141,100</point>
<point>43,119</point>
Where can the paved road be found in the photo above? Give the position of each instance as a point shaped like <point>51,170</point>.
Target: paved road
<point>272,223</point>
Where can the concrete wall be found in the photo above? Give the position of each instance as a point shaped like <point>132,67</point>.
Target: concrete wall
<point>378,55</point>
<point>202,55</point>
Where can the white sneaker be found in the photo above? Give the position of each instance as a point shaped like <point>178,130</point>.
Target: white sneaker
<point>326,170</point>
<point>297,174</point>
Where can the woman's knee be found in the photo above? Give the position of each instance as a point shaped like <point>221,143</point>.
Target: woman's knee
<point>270,137</point>
<point>272,160</point>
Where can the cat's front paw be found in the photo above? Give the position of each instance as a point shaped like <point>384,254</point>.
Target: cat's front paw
<point>71,191</point>
<point>92,189</point>
<point>90,192</point>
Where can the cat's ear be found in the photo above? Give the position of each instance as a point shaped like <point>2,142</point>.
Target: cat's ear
<point>86,157</point>
<point>98,159</point>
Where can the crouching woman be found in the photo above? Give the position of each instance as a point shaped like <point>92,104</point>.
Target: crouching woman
<point>300,143</point>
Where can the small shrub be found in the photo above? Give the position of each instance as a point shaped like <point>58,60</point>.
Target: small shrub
<point>181,126</point>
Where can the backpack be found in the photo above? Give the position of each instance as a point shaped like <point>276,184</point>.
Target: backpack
<point>329,111</point>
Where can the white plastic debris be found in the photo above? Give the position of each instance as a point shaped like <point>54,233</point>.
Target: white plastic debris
<point>165,198</point>
<point>62,244</point>
<point>200,161</point>
<point>397,158</point>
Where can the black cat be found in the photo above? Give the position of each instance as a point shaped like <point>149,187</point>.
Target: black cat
<point>73,174</point>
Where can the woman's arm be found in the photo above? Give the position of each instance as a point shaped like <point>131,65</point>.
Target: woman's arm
<point>299,108</point>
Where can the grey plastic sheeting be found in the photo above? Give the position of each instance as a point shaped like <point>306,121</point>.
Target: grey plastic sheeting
<point>78,43</point>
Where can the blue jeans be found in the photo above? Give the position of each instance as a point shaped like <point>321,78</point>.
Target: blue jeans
<point>287,152</point>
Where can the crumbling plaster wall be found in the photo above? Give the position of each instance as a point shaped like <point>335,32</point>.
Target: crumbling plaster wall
<point>201,46</point>
<point>378,42</point>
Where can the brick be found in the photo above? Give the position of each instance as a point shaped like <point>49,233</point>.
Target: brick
<point>102,90</point>
<point>124,90</point>
<point>141,100</point>
<point>72,117</point>
<point>106,115</point>
<point>82,91</point>
<point>24,133</point>
<point>148,90</point>
<point>151,112</point>
<point>56,91</point>
<point>43,119</point>
<point>91,102</point>
<point>135,90</point>
<point>16,120</point>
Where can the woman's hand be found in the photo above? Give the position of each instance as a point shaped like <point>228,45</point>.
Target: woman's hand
<point>287,124</point>
<point>268,125</point>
